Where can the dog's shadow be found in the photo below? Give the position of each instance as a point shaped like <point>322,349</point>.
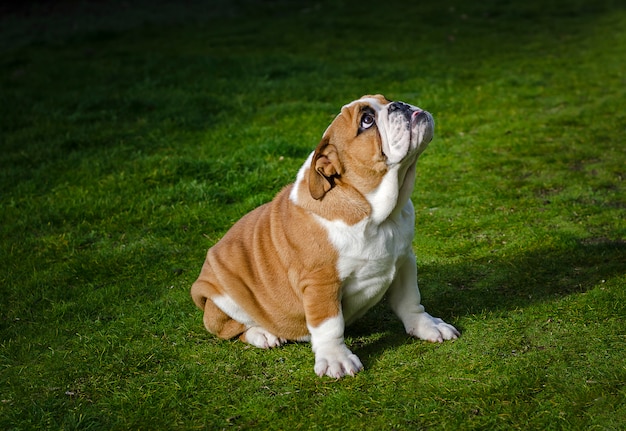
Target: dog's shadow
<point>494,284</point>
<point>376,332</point>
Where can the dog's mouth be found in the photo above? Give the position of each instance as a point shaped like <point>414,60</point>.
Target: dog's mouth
<point>421,129</point>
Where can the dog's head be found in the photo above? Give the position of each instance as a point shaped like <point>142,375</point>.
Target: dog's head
<point>370,137</point>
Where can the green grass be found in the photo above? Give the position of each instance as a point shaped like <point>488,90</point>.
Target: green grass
<point>133,135</point>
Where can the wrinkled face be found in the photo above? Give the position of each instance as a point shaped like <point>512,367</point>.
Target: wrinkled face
<point>370,136</point>
<point>398,128</point>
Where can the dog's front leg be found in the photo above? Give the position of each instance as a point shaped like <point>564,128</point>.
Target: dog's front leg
<point>326,326</point>
<point>332,356</point>
<point>404,297</point>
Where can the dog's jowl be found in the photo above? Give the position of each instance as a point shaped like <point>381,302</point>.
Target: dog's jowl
<point>329,246</point>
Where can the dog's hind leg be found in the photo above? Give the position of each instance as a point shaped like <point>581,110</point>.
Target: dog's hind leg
<point>216,321</point>
<point>226,319</point>
<point>254,334</point>
<point>219,323</point>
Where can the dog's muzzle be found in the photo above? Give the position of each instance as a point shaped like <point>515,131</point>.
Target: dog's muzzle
<point>410,131</point>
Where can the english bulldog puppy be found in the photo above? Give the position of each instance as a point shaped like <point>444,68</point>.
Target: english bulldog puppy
<point>329,246</point>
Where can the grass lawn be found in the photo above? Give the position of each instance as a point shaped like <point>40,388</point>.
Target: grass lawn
<point>133,134</point>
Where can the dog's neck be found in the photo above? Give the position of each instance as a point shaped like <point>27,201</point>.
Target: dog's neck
<point>394,191</point>
<point>344,202</point>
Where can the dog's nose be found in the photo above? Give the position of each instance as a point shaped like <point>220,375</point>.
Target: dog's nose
<point>399,106</point>
<point>419,114</point>
<point>409,112</point>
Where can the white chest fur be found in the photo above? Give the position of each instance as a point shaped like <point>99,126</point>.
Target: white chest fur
<point>369,256</point>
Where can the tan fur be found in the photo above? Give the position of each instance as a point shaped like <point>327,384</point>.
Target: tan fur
<point>277,264</point>
<point>359,154</point>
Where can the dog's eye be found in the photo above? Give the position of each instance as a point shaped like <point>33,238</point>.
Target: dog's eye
<point>367,121</point>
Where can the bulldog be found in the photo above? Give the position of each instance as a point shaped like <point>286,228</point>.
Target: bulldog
<point>329,246</point>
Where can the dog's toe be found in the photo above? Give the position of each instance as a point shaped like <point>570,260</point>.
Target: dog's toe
<point>262,338</point>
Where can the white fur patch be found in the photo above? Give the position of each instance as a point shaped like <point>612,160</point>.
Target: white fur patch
<point>372,101</point>
<point>293,195</point>
<point>395,132</point>
<point>369,255</point>
<point>233,310</point>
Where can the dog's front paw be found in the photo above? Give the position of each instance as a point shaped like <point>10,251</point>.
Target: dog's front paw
<point>427,327</point>
<point>336,362</point>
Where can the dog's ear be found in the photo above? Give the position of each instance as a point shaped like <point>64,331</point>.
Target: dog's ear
<point>325,167</point>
